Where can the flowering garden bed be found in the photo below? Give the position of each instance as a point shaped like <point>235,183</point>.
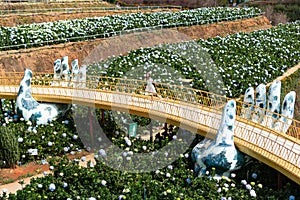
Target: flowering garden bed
<point>33,35</point>
<point>240,60</point>
<point>174,181</point>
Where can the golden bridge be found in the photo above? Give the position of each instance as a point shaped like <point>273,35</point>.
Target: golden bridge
<point>194,110</point>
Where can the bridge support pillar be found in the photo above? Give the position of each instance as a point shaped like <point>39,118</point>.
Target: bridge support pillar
<point>166,127</point>
<point>151,131</point>
<point>102,116</point>
<point>1,107</point>
<point>13,106</point>
<point>279,181</point>
<point>91,127</point>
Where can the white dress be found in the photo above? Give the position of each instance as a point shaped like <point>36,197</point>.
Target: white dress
<point>150,87</point>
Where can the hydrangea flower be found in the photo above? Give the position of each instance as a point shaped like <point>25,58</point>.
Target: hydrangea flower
<point>292,197</point>
<point>170,167</point>
<point>248,187</point>
<point>124,154</point>
<point>65,185</point>
<point>254,175</point>
<point>44,162</point>
<point>103,182</point>
<point>244,182</point>
<point>252,193</point>
<point>188,180</point>
<point>52,187</point>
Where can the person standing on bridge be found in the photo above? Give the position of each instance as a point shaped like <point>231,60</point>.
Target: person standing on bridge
<point>150,87</point>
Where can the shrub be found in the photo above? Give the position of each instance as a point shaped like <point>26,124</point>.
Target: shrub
<point>9,147</point>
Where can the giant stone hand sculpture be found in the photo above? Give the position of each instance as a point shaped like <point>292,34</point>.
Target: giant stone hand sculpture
<point>75,72</point>
<point>287,112</point>
<point>249,102</point>
<point>219,153</point>
<point>29,108</point>
<point>273,105</point>
<point>57,72</point>
<point>65,70</point>
<point>82,76</point>
<point>62,73</point>
<point>260,103</point>
<point>269,116</point>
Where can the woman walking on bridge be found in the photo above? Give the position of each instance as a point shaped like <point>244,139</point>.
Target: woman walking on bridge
<point>150,89</point>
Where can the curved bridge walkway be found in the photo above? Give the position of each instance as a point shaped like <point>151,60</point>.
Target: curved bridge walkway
<point>194,110</point>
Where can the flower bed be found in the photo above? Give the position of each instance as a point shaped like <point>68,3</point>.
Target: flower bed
<point>175,181</point>
<point>57,138</point>
<point>248,59</point>
<point>228,64</point>
<point>41,34</point>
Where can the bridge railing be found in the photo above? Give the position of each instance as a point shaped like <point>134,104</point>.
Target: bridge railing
<point>274,121</point>
<point>170,92</point>
<point>281,149</point>
<point>166,91</point>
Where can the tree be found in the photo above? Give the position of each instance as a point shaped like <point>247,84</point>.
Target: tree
<point>9,147</point>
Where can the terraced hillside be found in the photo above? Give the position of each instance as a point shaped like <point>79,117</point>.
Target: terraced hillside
<point>41,59</point>
<point>243,59</point>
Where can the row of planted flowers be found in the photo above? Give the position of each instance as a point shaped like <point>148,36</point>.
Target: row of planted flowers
<point>41,34</point>
<point>224,65</point>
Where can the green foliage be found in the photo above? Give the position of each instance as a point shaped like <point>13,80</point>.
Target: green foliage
<point>292,83</point>
<point>293,12</point>
<point>9,147</point>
